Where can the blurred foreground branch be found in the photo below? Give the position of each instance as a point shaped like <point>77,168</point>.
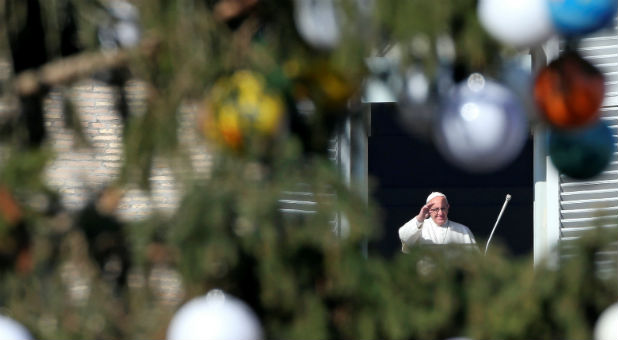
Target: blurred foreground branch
<point>69,69</point>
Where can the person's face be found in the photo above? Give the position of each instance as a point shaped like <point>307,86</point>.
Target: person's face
<point>439,210</point>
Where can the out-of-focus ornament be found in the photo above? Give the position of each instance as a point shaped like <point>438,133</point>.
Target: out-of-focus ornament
<point>242,111</point>
<point>419,101</point>
<point>581,153</point>
<point>416,106</point>
<point>446,50</point>
<point>482,126</point>
<point>12,330</point>
<point>385,82</point>
<point>215,316</point>
<point>516,74</point>
<point>317,23</point>
<point>606,327</point>
<point>122,29</point>
<point>522,23</point>
<point>569,91</point>
<point>579,17</point>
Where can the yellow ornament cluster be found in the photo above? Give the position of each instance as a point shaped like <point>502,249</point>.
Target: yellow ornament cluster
<point>240,110</point>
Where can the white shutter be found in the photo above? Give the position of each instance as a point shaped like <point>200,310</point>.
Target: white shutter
<point>594,202</point>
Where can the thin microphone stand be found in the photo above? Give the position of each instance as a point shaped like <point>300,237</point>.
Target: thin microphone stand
<point>506,201</point>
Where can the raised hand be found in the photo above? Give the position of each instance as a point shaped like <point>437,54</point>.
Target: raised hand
<point>424,213</point>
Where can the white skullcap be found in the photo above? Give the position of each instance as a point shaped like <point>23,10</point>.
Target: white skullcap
<point>434,195</point>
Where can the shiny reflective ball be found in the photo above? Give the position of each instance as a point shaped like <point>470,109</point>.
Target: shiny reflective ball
<point>215,316</point>
<point>569,91</point>
<point>582,153</point>
<point>520,23</point>
<point>12,330</point>
<point>419,101</point>
<point>579,17</point>
<point>606,327</point>
<point>482,126</point>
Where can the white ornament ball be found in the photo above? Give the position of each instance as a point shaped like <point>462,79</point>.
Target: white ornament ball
<point>317,23</point>
<point>482,126</point>
<point>215,316</point>
<point>520,23</point>
<point>607,325</point>
<point>12,330</point>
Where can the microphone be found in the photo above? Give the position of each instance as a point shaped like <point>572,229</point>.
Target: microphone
<point>506,201</point>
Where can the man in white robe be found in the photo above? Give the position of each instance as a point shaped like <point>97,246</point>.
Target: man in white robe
<point>432,226</point>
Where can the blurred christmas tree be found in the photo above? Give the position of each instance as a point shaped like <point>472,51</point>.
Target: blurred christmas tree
<point>270,83</point>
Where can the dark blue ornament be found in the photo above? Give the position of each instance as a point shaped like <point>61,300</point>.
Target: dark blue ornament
<point>582,153</point>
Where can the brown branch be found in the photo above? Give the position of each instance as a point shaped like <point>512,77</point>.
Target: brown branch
<point>69,69</point>
<point>228,9</point>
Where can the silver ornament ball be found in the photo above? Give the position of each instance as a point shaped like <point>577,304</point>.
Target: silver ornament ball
<point>482,126</point>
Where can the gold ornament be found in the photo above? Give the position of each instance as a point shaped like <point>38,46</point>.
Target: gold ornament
<point>241,110</point>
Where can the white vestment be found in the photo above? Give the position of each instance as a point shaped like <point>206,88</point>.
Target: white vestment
<point>428,232</point>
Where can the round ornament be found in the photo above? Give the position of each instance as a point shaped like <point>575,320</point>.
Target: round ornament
<point>12,330</point>
<point>581,153</point>
<point>515,74</point>
<point>419,101</point>
<point>606,327</point>
<point>521,23</point>
<point>579,17</point>
<point>569,91</point>
<point>215,316</point>
<point>482,126</point>
<point>242,111</point>
<point>317,23</point>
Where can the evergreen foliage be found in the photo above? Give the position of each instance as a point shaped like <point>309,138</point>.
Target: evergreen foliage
<point>87,274</point>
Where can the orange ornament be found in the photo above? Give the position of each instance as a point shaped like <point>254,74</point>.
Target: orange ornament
<point>569,91</point>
